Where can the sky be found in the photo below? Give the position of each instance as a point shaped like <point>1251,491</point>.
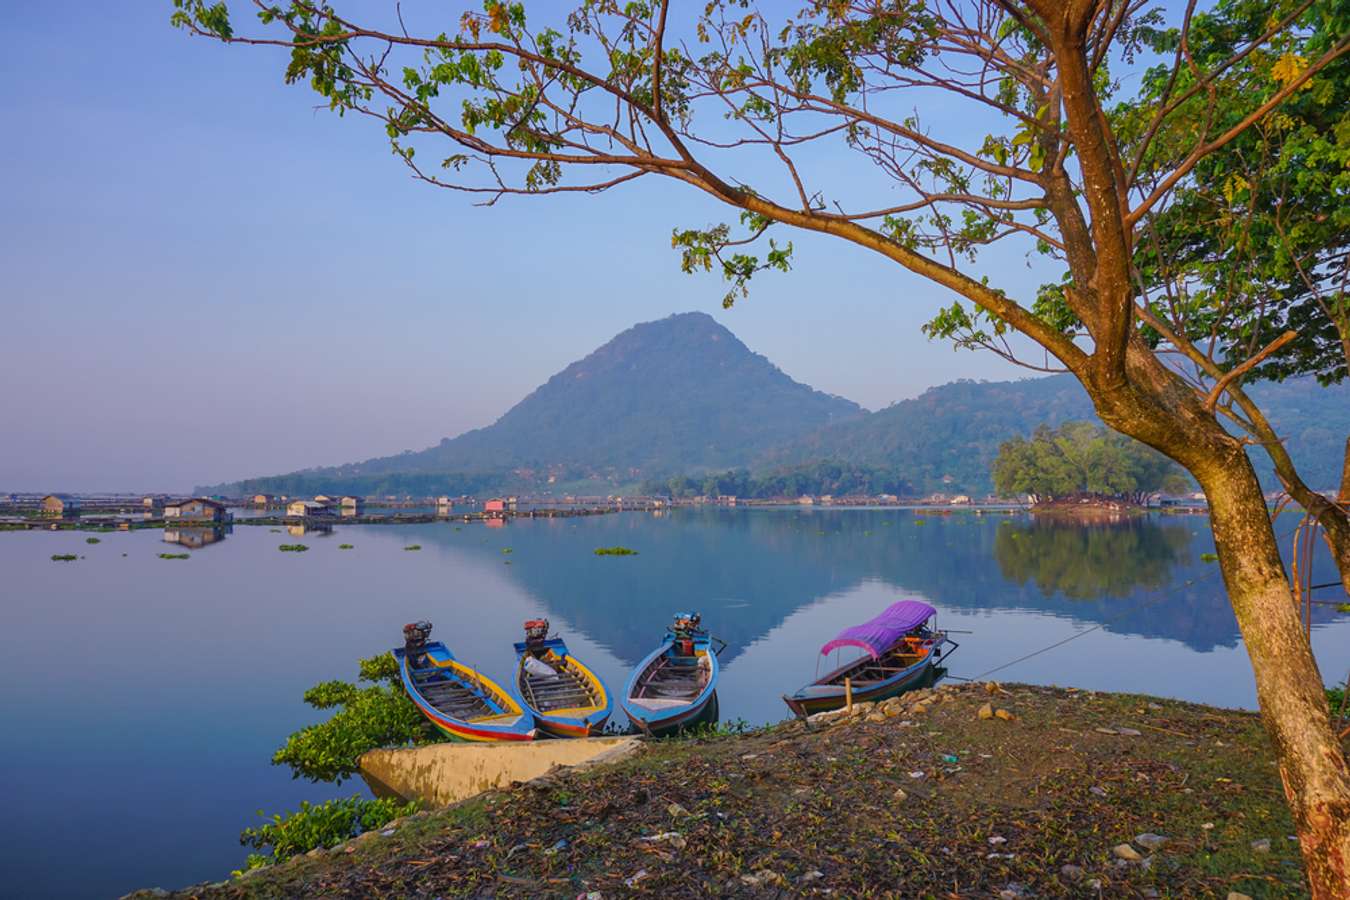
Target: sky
<point>204,278</point>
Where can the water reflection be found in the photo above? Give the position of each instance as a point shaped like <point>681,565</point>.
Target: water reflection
<point>196,536</point>
<point>1093,559</point>
<point>304,528</point>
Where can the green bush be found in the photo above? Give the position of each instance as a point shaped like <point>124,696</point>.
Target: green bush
<point>324,825</point>
<point>344,546</point>
<point>614,551</point>
<point>174,555</point>
<point>413,547</point>
<point>63,557</point>
<point>92,540</point>
<point>368,717</point>
<point>292,548</point>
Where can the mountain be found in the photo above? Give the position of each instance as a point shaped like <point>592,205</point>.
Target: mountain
<point>684,397</point>
<point>947,438</point>
<point>679,394</point>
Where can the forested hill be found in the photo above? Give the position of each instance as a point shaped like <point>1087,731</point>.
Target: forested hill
<point>675,394</point>
<point>947,437</point>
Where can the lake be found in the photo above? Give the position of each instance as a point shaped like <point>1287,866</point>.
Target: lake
<point>143,698</point>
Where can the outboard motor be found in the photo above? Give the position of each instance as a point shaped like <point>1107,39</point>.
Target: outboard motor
<point>415,636</point>
<point>536,632</point>
<point>685,627</point>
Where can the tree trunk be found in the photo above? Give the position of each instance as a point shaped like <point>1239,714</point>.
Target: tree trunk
<point>1289,687</point>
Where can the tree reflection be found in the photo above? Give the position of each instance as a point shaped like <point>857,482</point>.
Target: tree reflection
<point>1086,560</point>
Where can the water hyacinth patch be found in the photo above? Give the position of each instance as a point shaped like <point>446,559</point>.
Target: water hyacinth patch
<point>292,548</point>
<point>615,551</point>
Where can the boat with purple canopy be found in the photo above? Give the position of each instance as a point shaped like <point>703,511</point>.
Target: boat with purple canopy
<point>900,649</point>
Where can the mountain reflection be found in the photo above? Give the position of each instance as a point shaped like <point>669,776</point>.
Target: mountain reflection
<point>747,572</point>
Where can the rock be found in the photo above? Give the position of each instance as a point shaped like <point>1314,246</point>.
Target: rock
<point>634,879</point>
<point>1129,732</point>
<point>1095,885</point>
<point>1208,826</point>
<point>1150,841</point>
<point>813,875</point>
<point>315,853</point>
<point>900,795</point>
<point>1004,715</point>
<point>998,839</point>
<point>986,711</point>
<point>1234,895</point>
<point>388,832</point>
<point>677,810</point>
<point>875,717</point>
<point>763,876</point>
<point>1126,852</point>
<point>919,709</point>
<point>990,687</point>
<point>1071,872</point>
<point>1097,791</point>
<point>1261,846</point>
<point>1101,730</point>
<point>891,712</point>
<point>1012,891</point>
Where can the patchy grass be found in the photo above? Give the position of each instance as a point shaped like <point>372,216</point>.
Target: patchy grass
<point>615,551</point>
<point>175,555</point>
<point>92,540</point>
<point>344,546</point>
<point>933,801</point>
<point>64,557</point>
<point>413,547</point>
<point>293,548</point>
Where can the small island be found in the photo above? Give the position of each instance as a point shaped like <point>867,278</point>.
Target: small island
<point>1084,469</point>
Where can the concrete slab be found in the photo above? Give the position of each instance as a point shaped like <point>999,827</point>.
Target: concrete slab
<point>441,774</point>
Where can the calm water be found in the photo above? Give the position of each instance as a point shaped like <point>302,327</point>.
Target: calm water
<point>142,698</point>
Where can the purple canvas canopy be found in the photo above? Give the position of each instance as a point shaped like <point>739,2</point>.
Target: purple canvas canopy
<point>877,635</point>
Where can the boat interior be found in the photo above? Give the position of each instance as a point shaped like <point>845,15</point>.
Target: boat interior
<point>453,696</point>
<point>672,680</point>
<point>566,688</point>
<point>867,669</point>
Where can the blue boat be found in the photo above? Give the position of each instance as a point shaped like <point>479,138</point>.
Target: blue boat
<point>675,687</point>
<point>900,653</point>
<point>565,698</point>
<point>463,704</point>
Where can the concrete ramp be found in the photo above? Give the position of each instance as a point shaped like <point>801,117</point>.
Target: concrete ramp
<point>441,774</point>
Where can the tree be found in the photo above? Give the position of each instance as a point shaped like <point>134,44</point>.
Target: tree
<point>1082,458</point>
<point>1253,250</point>
<point>619,92</point>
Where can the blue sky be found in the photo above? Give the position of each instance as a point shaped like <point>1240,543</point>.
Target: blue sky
<point>205,278</point>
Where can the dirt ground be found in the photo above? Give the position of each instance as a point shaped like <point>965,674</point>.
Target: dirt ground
<point>1065,793</point>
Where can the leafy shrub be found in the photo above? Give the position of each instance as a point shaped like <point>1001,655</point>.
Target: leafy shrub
<point>367,717</point>
<point>413,547</point>
<point>324,825</point>
<point>344,546</point>
<point>92,540</point>
<point>292,548</point>
<point>63,557</point>
<point>614,551</point>
<point>174,555</point>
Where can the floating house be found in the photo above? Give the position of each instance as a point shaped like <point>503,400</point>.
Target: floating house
<point>263,499</point>
<point>496,504</point>
<point>355,503</point>
<point>197,509</point>
<point>60,505</point>
<point>309,509</point>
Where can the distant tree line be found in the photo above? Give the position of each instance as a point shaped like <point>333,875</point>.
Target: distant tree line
<point>1080,459</point>
<point>837,478</point>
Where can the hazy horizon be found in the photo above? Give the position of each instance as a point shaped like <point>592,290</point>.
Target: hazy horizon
<point>207,279</point>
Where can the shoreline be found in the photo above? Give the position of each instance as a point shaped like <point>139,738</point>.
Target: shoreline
<point>1071,792</point>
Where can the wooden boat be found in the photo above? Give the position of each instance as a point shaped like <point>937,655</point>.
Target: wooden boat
<point>675,687</point>
<point>900,652</point>
<point>462,703</point>
<point>565,698</point>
